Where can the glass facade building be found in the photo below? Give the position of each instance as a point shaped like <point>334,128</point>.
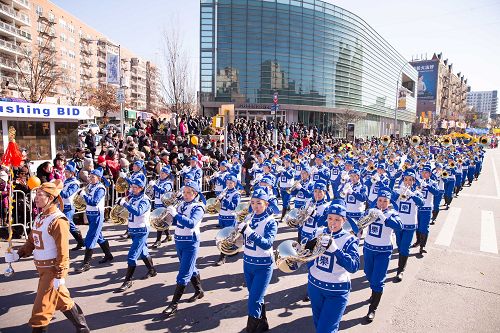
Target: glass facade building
<point>321,59</point>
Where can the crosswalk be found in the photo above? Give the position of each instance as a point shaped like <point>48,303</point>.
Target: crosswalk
<point>488,241</point>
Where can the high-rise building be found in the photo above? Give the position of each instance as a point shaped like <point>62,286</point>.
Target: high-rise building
<point>81,54</point>
<point>442,102</point>
<point>484,102</point>
<point>323,61</point>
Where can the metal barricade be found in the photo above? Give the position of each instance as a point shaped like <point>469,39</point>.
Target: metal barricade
<point>206,186</point>
<point>22,211</point>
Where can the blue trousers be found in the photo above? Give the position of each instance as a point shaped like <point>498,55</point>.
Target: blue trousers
<point>187,251</point>
<point>257,278</point>
<point>376,264</point>
<point>226,221</point>
<point>424,218</point>
<point>327,308</point>
<point>464,177</point>
<point>69,215</point>
<point>285,197</point>
<point>403,240</point>
<point>437,201</point>
<point>139,247</point>
<point>94,234</point>
<point>470,174</point>
<point>458,179</point>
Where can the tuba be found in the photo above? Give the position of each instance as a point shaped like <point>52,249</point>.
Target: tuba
<point>213,204</point>
<point>385,140</point>
<point>229,240</point>
<point>169,198</point>
<point>79,201</point>
<point>290,255</point>
<point>121,185</point>
<point>241,211</point>
<point>118,215</point>
<point>415,140</point>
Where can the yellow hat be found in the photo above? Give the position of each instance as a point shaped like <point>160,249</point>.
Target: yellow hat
<point>53,188</point>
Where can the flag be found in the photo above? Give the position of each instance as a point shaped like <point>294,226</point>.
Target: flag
<point>112,69</point>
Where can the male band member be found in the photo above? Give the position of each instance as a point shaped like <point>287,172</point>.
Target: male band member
<point>229,201</point>
<point>138,207</point>
<point>94,199</point>
<point>71,187</point>
<point>187,218</point>
<point>163,186</point>
<point>48,242</point>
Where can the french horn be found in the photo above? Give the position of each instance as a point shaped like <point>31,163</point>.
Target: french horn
<point>415,140</point>
<point>158,219</point>
<point>118,215</point>
<point>121,185</point>
<point>229,240</point>
<point>78,200</point>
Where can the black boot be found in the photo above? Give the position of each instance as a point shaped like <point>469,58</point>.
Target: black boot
<point>151,269</point>
<point>157,243</point>
<point>423,243</point>
<point>40,329</point>
<point>434,216</point>
<point>263,325</point>
<point>376,296</point>
<point>128,279</point>
<point>417,243</point>
<point>283,213</point>
<point>125,235</point>
<point>222,260</point>
<point>107,252</point>
<point>252,324</point>
<point>401,267</point>
<point>77,235</point>
<point>168,237</point>
<point>86,261</point>
<point>172,307</point>
<point>75,315</point>
<point>198,290</point>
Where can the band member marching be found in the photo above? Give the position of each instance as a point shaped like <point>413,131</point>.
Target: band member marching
<point>329,276</point>
<point>285,182</point>
<point>229,201</point>
<point>219,179</point>
<point>259,235</point>
<point>304,189</point>
<point>48,242</point>
<point>71,187</point>
<point>355,195</point>
<point>437,177</point>
<point>187,219</point>
<point>377,248</point>
<point>94,199</point>
<point>138,207</point>
<point>407,200</point>
<point>164,185</point>
<point>138,171</point>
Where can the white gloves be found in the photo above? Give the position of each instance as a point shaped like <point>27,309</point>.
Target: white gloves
<point>11,257</point>
<point>122,201</point>
<point>172,211</point>
<point>324,240</point>
<point>248,231</point>
<point>58,283</point>
<point>220,196</point>
<point>379,214</point>
<point>151,183</point>
<point>299,186</point>
<point>242,227</point>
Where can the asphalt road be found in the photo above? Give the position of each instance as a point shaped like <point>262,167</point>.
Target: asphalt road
<point>454,288</point>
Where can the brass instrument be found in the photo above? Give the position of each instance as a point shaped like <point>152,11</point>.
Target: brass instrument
<point>415,140</point>
<point>344,193</point>
<point>375,178</point>
<point>257,179</point>
<point>121,185</point>
<point>336,162</point>
<point>390,162</point>
<point>294,187</point>
<point>242,211</point>
<point>447,141</point>
<point>118,215</point>
<point>213,204</point>
<point>404,167</point>
<point>404,194</point>
<point>460,161</point>
<point>368,219</point>
<point>451,164</point>
<point>78,200</point>
<point>484,141</point>
<point>158,219</point>
<point>344,177</point>
<point>362,160</point>
<point>371,167</point>
<point>229,240</point>
<point>385,140</point>
<point>350,154</point>
<point>444,174</point>
<point>169,198</point>
<point>298,216</point>
<point>290,255</point>
<point>150,191</point>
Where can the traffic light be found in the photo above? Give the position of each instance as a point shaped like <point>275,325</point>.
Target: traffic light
<point>125,114</point>
<point>218,122</point>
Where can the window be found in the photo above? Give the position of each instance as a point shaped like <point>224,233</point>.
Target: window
<point>66,137</point>
<point>34,136</point>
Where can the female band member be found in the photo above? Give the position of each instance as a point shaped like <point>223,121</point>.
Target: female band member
<point>164,185</point>
<point>259,236</point>
<point>48,242</point>
<point>138,207</point>
<point>330,275</point>
<point>94,197</point>
<point>187,218</point>
<point>71,187</point>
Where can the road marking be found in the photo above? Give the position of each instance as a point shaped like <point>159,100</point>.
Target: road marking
<point>488,233</point>
<point>479,196</point>
<point>446,233</point>
<point>495,175</point>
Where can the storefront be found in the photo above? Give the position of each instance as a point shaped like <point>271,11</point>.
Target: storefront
<point>43,130</point>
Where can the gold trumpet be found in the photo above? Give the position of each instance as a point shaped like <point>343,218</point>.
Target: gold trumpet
<point>444,174</point>
<point>385,140</point>
<point>451,164</point>
<point>484,141</point>
<point>447,141</point>
<point>371,167</point>
<point>415,140</point>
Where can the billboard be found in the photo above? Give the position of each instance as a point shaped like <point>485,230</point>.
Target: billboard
<point>427,85</point>
<point>112,69</point>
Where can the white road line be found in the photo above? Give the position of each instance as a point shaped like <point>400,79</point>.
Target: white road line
<point>495,175</point>
<point>488,233</point>
<point>479,196</point>
<point>449,225</point>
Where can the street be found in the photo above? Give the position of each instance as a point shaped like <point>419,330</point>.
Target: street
<point>455,287</point>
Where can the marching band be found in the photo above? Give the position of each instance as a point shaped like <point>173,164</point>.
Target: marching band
<point>373,190</point>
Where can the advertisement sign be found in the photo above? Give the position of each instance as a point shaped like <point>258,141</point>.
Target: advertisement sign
<point>402,99</point>
<point>427,85</point>
<point>47,111</point>
<point>112,69</point>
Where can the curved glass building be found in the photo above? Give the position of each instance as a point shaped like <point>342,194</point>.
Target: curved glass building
<point>327,65</point>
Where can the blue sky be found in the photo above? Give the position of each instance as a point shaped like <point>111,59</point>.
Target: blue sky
<point>467,32</point>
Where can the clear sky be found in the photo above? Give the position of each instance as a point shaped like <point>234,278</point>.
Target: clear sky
<point>466,32</point>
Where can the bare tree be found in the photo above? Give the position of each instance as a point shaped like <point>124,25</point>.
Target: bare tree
<point>177,85</point>
<point>103,99</point>
<point>347,116</point>
<point>39,70</point>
